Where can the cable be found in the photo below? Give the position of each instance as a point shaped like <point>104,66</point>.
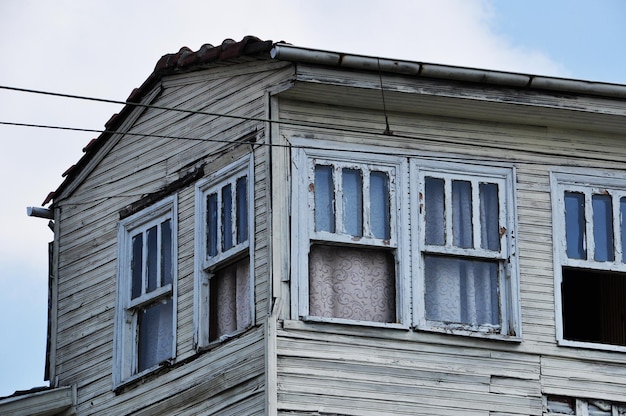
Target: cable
<point>331,127</point>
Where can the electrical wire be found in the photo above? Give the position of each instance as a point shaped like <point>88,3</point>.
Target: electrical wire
<point>325,126</point>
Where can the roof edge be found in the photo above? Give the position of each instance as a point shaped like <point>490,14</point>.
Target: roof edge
<point>285,51</point>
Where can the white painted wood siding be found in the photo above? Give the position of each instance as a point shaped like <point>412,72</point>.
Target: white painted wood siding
<point>229,379</point>
<point>343,369</point>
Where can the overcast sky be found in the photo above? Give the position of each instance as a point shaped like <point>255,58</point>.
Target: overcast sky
<point>106,48</point>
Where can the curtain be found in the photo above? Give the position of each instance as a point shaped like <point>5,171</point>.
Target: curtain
<point>461,291</point>
<point>230,306</point>
<point>155,334</point>
<point>352,283</point>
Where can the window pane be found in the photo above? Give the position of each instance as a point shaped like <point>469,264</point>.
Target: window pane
<point>603,227</point>
<point>435,211</point>
<point>324,199</point>
<point>230,308</point>
<point>166,252</point>
<point>137,265</point>
<point>227,219</point>
<point>489,216</point>
<point>152,258</point>
<point>379,205</point>
<point>622,210</point>
<point>211,215</point>
<point>461,291</point>
<point>462,231</point>
<point>242,209</point>
<point>575,225</point>
<point>155,334</point>
<point>352,201</point>
<point>352,283</point>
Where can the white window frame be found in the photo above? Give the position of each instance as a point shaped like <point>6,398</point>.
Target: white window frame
<point>510,311</point>
<point>303,225</point>
<point>126,328</point>
<point>588,182</point>
<point>205,264</point>
<point>581,406</point>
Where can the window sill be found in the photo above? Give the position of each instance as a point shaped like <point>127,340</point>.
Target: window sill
<point>396,332</point>
<point>222,339</point>
<point>140,378</point>
<point>482,333</point>
<point>591,345</point>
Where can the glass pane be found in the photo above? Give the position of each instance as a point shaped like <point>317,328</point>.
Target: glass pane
<point>489,216</point>
<point>155,334</point>
<point>152,258</point>
<point>211,215</point>
<point>352,283</point>
<point>352,201</point>
<point>136,265</point>
<point>599,408</point>
<point>603,227</point>
<point>227,219</point>
<point>462,231</point>
<point>622,210</point>
<point>324,199</point>
<point>575,225</point>
<point>461,291</point>
<point>242,209</point>
<point>166,252</point>
<point>435,211</point>
<point>379,205</point>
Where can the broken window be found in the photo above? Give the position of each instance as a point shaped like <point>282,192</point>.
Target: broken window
<point>345,213</point>
<point>554,405</point>
<point>590,265</point>
<point>146,290</point>
<point>464,248</point>
<point>224,279</point>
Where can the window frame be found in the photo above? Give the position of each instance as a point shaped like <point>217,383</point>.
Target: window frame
<point>303,226</point>
<point>126,348</point>
<point>510,327</point>
<point>589,182</point>
<point>204,266</point>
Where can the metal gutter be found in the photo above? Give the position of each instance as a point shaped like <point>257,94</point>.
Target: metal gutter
<point>456,73</point>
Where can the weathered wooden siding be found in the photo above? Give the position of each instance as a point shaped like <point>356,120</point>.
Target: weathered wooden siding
<point>228,379</point>
<point>340,369</point>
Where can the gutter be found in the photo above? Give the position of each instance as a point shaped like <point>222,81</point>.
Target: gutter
<point>288,52</point>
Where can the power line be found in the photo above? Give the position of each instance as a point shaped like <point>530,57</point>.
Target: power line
<point>316,125</point>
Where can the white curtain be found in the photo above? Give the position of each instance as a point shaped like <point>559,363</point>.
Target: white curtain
<point>461,291</point>
<point>230,307</point>
<point>352,283</point>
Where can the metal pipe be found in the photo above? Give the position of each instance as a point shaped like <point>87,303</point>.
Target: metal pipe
<point>39,212</point>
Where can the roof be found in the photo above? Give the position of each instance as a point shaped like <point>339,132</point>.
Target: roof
<point>41,401</point>
<point>186,60</point>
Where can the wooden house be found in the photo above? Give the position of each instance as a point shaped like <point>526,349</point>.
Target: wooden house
<point>270,229</point>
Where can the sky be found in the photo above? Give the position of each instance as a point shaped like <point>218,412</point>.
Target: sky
<point>106,48</point>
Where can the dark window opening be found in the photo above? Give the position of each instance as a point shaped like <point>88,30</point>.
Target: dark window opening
<point>594,306</point>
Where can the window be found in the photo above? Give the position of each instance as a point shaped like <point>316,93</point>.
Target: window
<point>463,248</point>
<point>224,281</point>
<point>565,405</point>
<point>346,213</point>
<point>590,263</point>
<point>395,241</point>
<point>146,322</point>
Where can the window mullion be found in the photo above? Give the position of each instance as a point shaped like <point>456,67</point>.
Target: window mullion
<point>448,211</point>
<point>367,227</point>
<point>233,211</point>
<point>144,262</point>
<point>476,225</point>
<point>338,184</point>
<point>617,227</point>
<point>589,237</point>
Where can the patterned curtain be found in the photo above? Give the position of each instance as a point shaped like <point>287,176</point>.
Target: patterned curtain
<point>230,299</point>
<point>352,283</point>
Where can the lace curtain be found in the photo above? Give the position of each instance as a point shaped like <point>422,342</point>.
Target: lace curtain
<point>230,299</point>
<point>352,283</point>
